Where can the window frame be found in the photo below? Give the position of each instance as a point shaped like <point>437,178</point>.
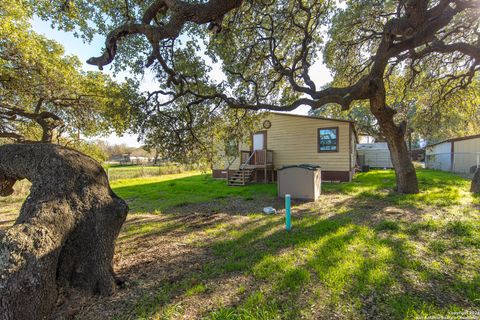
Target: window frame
<point>337,145</point>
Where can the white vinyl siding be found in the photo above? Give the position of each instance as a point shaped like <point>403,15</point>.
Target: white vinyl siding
<point>466,156</point>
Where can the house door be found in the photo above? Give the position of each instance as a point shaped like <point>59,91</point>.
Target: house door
<point>259,141</point>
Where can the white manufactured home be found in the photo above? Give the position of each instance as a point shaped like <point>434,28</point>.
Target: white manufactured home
<point>459,155</point>
<point>375,155</point>
<point>283,139</point>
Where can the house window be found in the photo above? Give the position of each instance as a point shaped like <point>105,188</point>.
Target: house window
<point>328,139</point>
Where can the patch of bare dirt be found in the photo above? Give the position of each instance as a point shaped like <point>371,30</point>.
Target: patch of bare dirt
<point>232,206</point>
<point>149,261</point>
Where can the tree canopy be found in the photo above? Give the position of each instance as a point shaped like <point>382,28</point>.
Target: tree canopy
<point>434,83</point>
<point>43,89</point>
<point>266,50</point>
<point>456,116</point>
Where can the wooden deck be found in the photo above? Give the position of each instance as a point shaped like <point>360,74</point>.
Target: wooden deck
<point>257,158</point>
<point>251,163</point>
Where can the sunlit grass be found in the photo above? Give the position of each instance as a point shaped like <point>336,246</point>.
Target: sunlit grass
<point>156,194</point>
<point>256,307</point>
<point>196,289</point>
<point>390,269</point>
<point>361,252</point>
<point>437,188</point>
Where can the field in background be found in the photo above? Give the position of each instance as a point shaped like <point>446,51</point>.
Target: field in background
<point>10,206</point>
<point>119,172</point>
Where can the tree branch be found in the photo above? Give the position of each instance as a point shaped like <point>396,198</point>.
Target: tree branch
<point>181,12</point>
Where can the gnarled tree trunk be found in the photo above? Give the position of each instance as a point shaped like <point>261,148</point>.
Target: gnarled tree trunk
<point>475,188</point>
<point>405,173</point>
<point>65,233</point>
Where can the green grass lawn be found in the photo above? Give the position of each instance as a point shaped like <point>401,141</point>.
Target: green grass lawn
<point>437,188</point>
<point>360,252</point>
<point>156,194</point>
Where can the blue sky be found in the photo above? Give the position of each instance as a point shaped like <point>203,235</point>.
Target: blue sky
<point>319,73</point>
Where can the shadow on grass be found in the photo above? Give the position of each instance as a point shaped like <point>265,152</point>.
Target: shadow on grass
<point>476,199</point>
<point>437,188</point>
<point>372,271</point>
<point>349,264</point>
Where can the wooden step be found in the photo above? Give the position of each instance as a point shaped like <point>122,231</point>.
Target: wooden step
<point>237,178</point>
<point>240,177</point>
<point>246,173</point>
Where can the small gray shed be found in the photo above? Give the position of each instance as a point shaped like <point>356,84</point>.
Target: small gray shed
<point>302,182</point>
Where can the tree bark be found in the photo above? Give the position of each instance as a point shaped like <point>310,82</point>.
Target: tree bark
<point>65,233</point>
<point>475,188</point>
<point>405,174</point>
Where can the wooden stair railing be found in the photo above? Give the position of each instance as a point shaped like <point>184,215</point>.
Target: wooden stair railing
<point>242,176</point>
<point>260,158</point>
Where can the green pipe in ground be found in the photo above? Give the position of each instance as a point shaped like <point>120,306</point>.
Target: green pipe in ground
<point>288,218</point>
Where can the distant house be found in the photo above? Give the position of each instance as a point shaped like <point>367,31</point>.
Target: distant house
<point>365,138</point>
<point>286,139</point>
<point>123,158</point>
<point>137,156</point>
<point>460,155</point>
<point>375,155</point>
<point>141,156</point>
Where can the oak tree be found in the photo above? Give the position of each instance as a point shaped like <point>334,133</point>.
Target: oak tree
<point>453,116</point>
<point>267,50</point>
<point>42,88</point>
<point>64,236</point>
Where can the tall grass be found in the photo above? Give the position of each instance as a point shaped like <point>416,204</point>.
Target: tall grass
<point>135,171</point>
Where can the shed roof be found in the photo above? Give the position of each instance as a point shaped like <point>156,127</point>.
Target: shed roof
<point>475,136</point>
<point>373,146</point>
